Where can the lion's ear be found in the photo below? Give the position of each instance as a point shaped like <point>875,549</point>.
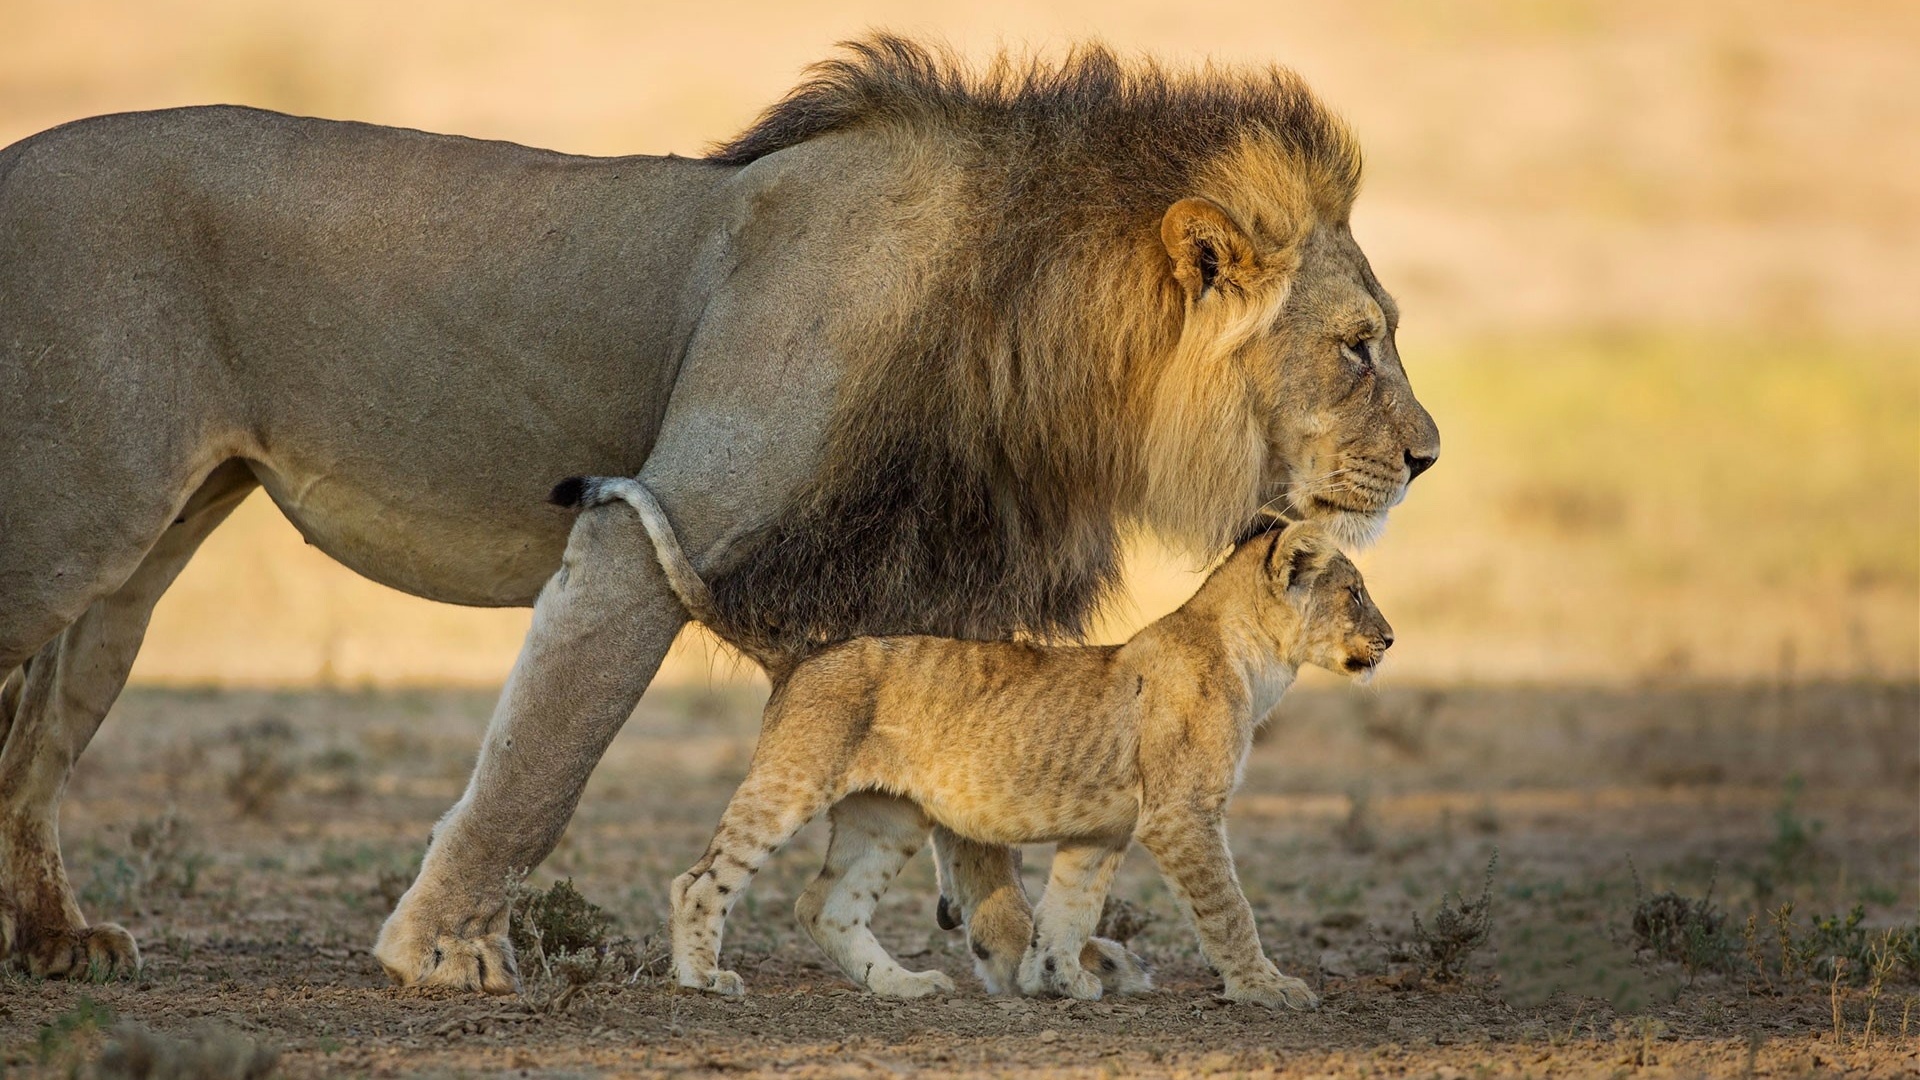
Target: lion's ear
<point>1298,555</point>
<point>1208,250</point>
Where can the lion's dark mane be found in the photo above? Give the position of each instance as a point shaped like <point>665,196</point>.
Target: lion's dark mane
<point>977,474</point>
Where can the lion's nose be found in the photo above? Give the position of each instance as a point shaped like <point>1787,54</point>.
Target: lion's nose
<point>1417,464</point>
<point>1386,641</point>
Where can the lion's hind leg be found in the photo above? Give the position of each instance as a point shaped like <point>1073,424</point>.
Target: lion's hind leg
<point>873,837</point>
<point>53,705</point>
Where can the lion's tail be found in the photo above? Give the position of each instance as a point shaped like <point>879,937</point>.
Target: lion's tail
<point>682,578</point>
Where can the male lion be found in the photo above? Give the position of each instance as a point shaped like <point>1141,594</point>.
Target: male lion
<point>920,344</point>
<point>1087,747</point>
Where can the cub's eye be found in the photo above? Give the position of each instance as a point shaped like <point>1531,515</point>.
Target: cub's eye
<point>1361,353</point>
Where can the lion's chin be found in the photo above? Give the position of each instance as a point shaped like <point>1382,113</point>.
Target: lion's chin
<point>1352,529</point>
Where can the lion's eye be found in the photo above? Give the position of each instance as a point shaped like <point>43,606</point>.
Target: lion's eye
<point>1361,353</point>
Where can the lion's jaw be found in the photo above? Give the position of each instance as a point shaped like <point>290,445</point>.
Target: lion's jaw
<point>1350,498</point>
<point>1351,529</point>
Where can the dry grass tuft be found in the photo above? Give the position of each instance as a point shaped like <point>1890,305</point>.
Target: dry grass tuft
<point>1692,933</point>
<point>262,774</point>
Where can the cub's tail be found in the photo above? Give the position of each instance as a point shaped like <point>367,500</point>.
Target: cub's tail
<point>682,578</point>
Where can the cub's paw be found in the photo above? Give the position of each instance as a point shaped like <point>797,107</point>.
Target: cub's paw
<point>901,983</point>
<point>95,953</point>
<point>1284,990</point>
<point>1049,976</point>
<point>1119,971</point>
<point>724,983</point>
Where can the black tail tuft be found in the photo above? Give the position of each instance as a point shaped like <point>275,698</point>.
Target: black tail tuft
<point>568,492</point>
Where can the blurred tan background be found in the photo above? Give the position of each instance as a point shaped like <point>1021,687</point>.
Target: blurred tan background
<point>1658,263</point>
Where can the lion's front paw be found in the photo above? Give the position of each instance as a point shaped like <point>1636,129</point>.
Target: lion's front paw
<point>1274,993</point>
<point>415,953</point>
<point>901,983</point>
<point>98,952</point>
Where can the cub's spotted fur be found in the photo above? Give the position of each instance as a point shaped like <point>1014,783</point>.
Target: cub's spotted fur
<point>1010,743</point>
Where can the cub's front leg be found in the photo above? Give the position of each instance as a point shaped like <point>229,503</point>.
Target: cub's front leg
<point>1064,920</point>
<point>980,892</point>
<point>1191,849</point>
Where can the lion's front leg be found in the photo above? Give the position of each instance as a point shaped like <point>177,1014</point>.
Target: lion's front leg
<point>600,628</point>
<point>1194,858</point>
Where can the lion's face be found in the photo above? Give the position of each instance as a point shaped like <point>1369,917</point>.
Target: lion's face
<point>1333,433</point>
<point>1346,433</point>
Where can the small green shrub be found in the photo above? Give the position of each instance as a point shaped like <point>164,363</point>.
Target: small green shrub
<point>1692,933</point>
<point>1792,854</point>
<point>1828,939</point>
<point>565,944</point>
<point>556,921</point>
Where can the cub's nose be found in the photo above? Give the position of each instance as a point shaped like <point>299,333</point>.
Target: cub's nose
<point>1417,464</point>
<point>1386,641</point>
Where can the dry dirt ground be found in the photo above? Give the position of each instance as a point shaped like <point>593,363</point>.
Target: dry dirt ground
<point>253,841</point>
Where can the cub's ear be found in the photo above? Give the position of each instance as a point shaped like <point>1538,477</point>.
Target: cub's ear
<point>1208,250</point>
<point>1298,555</point>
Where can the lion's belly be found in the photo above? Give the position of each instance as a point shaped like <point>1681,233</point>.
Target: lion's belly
<point>440,494</point>
<point>476,551</point>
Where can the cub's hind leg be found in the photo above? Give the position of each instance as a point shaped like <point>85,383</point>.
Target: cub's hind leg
<point>1194,858</point>
<point>980,891</point>
<point>786,786</point>
<point>873,837</point>
<point>1064,921</point>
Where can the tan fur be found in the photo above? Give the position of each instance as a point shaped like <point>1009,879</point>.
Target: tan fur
<point>1017,743</point>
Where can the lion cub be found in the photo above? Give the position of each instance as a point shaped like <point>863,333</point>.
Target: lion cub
<point>1010,743</point>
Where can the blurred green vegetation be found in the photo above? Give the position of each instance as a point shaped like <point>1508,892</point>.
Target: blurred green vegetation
<point>1623,506</point>
<point>1713,457</point>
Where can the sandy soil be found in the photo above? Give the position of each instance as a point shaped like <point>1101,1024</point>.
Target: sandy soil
<point>1361,809</point>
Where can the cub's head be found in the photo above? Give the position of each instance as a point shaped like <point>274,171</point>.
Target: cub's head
<point>1324,614</point>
